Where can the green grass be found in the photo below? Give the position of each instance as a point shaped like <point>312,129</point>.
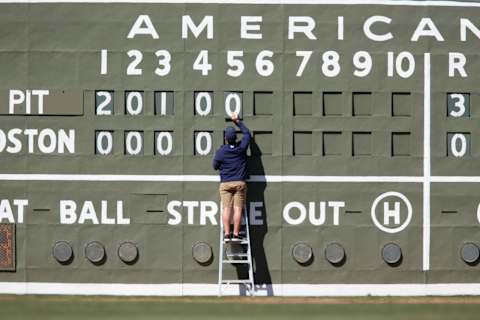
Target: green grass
<point>105,308</point>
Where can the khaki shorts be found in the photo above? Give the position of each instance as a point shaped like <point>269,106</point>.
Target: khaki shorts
<point>233,192</point>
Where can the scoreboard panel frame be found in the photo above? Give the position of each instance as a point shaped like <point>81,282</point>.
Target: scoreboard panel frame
<point>426,179</point>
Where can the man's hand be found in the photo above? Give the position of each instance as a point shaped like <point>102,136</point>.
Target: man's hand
<point>235,117</point>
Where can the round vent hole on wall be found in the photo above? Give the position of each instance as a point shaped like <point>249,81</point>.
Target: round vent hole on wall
<point>128,252</point>
<point>95,252</point>
<point>392,254</point>
<point>302,253</point>
<point>470,253</point>
<point>202,253</point>
<point>63,252</point>
<point>335,253</point>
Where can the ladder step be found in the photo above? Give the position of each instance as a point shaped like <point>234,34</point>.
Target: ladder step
<point>236,242</point>
<point>237,255</point>
<point>236,261</point>
<point>240,242</point>
<point>237,281</point>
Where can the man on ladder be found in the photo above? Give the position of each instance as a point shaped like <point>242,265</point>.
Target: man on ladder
<point>231,160</point>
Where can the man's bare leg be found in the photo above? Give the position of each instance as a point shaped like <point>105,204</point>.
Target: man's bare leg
<point>237,220</point>
<point>227,213</point>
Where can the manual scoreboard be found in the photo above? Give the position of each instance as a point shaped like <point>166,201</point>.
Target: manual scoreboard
<point>363,164</point>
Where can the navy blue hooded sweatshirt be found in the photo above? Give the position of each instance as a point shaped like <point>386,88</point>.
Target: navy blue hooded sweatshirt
<point>231,158</point>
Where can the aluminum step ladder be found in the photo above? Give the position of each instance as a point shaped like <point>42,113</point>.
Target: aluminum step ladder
<point>243,258</point>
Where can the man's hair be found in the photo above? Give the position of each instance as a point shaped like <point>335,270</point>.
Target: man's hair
<point>230,135</point>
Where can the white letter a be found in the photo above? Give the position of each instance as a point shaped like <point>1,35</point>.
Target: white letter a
<point>147,29</point>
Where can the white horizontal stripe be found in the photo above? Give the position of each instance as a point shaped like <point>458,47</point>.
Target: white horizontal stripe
<point>216,178</point>
<point>336,179</point>
<point>455,179</point>
<point>201,178</point>
<point>430,289</point>
<point>193,289</point>
<point>344,2</point>
<point>108,177</point>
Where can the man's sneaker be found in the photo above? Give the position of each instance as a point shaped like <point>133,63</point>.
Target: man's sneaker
<point>237,238</point>
<point>226,237</point>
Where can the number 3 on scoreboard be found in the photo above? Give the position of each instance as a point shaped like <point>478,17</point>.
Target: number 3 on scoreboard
<point>458,105</point>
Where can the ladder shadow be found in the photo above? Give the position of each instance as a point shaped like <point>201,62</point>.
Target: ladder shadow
<point>256,193</point>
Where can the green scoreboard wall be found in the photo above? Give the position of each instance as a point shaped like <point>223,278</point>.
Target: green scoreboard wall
<point>364,171</point>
